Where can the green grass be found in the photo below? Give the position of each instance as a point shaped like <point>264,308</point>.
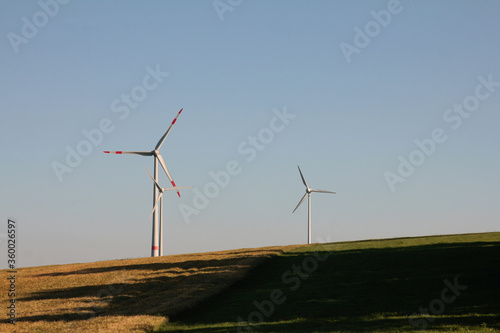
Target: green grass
<point>366,286</point>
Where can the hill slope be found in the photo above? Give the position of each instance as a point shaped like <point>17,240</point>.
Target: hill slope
<point>377,285</point>
<point>441,283</point>
<point>131,295</point>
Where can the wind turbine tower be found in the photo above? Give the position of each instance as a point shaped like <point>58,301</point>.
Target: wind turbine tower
<point>157,157</point>
<point>160,198</point>
<point>308,193</point>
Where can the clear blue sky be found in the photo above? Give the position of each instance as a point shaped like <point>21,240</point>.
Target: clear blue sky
<point>356,114</point>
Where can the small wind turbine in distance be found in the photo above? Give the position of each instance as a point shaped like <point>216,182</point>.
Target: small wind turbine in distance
<point>308,193</point>
<point>160,198</point>
<point>157,157</point>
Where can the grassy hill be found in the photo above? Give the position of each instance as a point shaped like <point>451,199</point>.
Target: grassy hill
<point>133,295</point>
<point>440,283</point>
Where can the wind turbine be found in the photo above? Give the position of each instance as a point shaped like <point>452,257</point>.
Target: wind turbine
<point>157,157</point>
<point>160,196</point>
<point>308,193</point>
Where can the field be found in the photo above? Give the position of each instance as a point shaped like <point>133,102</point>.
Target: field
<point>367,286</point>
<point>133,295</point>
<point>439,283</point>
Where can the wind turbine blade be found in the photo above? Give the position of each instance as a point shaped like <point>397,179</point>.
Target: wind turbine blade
<point>299,202</point>
<point>303,179</point>
<point>176,188</point>
<point>322,191</point>
<point>143,153</point>
<point>158,145</point>
<point>162,162</point>
<point>154,180</point>
<point>156,203</point>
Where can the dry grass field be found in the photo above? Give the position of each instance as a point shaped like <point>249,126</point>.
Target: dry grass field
<point>132,295</point>
<point>363,286</point>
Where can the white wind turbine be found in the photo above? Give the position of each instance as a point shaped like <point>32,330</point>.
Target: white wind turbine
<point>157,157</point>
<point>308,193</point>
<point>160,198</point>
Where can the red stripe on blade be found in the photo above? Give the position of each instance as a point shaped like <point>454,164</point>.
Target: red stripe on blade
<point>155,247</point>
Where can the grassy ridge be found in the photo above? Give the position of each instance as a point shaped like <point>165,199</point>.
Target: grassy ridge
<point>372,286</point>
<point>351,286</point>
<point>133,295</point>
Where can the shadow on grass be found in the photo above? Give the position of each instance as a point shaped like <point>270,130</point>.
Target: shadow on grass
<point>361,290</point>
<point>356,290</point>
<point>188,264</point>
<point>147,289</point>
<point>347,325</point>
